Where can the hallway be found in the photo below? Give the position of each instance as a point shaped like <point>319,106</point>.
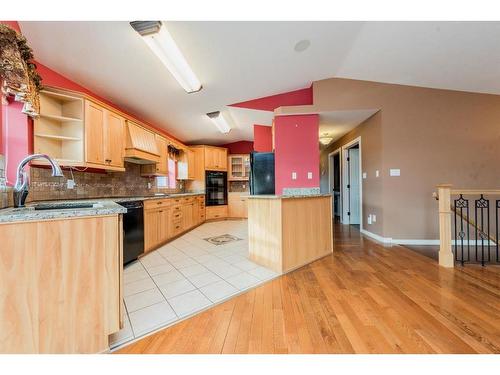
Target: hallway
<point>365,298</point>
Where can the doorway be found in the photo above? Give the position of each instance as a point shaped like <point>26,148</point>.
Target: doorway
<point>334,183</point>
<point>353,185</point>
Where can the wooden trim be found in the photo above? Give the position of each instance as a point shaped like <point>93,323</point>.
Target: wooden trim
<point>445,253</point>
<point>475,191</point>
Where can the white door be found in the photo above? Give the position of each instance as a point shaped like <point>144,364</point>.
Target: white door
<point>353,186</point>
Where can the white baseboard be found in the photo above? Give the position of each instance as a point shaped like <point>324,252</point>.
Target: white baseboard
<point>376,237</point>
<point>395,241</point>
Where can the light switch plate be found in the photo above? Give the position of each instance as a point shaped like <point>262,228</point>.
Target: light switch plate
<point>364,175</point>
<point>395,172</point>
<point>369,219</point>
<point>70,184</point>
<point>294,175</point>
<point>309,175</point>
<point>377,173</point>
<point>374,218</point>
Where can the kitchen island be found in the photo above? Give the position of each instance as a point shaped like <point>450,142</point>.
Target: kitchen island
<point>287,232</point>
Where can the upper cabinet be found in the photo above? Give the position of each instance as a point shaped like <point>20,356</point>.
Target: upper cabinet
<point>104,137</point>
<point>215,158</point>
<point>238,167</point>
<point>59,130</point>
<point>78,130</point>
<point>186,165</point>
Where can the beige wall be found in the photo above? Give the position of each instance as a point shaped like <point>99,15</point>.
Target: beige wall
<point>433,136</point>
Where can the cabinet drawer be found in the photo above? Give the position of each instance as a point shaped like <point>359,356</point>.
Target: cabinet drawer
<point>155,203</point>
<point>176,208</point>
<point>216,212</point>
<point>176,215</point>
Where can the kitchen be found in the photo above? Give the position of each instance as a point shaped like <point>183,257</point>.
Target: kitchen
<point>114,224</point>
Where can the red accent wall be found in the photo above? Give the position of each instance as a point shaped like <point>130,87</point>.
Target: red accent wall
<point>262,138</point>
<point>296,150</point>
<point>270,103</point>
<point>16,130</point>
<point>240,147</point>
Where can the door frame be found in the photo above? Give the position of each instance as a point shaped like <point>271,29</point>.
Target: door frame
<point>330,180</point>
<point>343,181</point>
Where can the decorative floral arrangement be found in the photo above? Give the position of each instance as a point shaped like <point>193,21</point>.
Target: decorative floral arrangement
<point>18,71</point>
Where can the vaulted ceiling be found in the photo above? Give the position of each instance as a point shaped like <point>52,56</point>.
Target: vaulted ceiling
<point>239,61</point>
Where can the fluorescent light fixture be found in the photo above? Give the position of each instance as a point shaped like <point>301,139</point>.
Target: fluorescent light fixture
<point>163,45</point>
<point>219,121</point>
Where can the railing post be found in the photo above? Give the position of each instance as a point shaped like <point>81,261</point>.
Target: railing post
<point>445,253</point>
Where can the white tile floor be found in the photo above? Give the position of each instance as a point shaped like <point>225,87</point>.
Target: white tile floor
<point>186,276</point>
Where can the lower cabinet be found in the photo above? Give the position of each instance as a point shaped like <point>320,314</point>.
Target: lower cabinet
<point>237,205</point>
<point>167,218</point>
<point>156,227</point>
<point>216,212</point>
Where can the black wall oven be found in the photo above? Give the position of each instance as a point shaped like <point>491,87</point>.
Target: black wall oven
<point>215,188</point>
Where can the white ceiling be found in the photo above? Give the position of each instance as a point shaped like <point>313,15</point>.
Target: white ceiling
<point>239,61</point>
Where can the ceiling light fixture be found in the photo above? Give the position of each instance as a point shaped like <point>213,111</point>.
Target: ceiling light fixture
<point>219,121</point>
<point>163,45</point>
<point>325,139</point>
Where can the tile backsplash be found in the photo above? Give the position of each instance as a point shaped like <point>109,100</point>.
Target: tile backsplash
<point>93,185</point>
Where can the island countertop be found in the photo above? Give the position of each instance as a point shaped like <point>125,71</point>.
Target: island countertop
<point>298,196</point>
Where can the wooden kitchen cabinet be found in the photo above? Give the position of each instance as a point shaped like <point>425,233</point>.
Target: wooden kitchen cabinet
<point>160,168</point>
<point>215,158</point>
<point>167,218</point>
<point>186,165</point>
<point>104,137</point>
<point>216,212</point>
<point>61,285</point>
<point>114,139</point>
<point>237,205</point>
<point>238,167</point>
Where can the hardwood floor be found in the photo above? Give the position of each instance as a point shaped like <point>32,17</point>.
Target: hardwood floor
<point>365,298</point>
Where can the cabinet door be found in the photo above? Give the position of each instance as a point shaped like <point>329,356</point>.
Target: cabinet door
<point>163,224</point>
<point>222,159</point>
<point>195,218</point>
<point>190,164</point>
<point>114,139</point>
<point>210,158</point>
<point>94,134</point>
<point>151,224</point>
<point>162,166</point>
<point>187,216</point>
<point>246,166</point>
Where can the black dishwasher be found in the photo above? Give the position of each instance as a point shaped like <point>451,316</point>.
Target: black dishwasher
<point>133,230</point>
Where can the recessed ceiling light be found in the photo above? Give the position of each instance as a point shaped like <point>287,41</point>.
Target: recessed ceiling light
<point>302,45</point>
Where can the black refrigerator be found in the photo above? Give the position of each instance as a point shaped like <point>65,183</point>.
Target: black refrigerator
<point>261,173</point>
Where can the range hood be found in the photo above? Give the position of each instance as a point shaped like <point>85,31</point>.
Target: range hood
<point>141,147</point>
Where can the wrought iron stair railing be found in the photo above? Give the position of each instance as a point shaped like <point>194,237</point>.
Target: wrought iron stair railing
<point>465,239</point>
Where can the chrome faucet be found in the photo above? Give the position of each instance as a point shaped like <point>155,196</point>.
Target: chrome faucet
<point>22,180</point>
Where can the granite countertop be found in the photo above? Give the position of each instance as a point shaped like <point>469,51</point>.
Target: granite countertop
<point>156,196</point>
<point>101,207</point>
<point>291,196</point>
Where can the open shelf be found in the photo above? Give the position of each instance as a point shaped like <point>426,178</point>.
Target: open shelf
<point>59,131</point>
<point>60,118</point>
<point>60,137</point>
